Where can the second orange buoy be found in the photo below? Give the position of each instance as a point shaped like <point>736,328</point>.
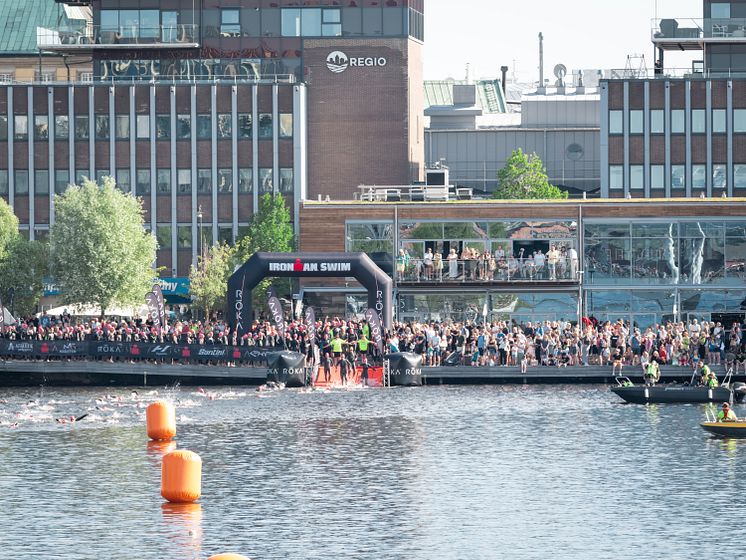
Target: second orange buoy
<point>161,421</point>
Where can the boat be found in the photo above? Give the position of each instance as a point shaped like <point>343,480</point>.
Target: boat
<point>678,393</point>
<point>726,429</point>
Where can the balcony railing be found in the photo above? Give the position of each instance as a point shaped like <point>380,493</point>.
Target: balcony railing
<point>480,271</point>
<point>697,72</point>
<point>96,36</point>
<point>695,29</point>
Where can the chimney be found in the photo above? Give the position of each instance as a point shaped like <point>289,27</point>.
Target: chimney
<point>504,70</point>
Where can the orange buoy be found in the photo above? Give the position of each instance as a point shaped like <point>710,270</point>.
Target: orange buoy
<point>161,421</point>
<point>227,556</point>
<point>181,476</point>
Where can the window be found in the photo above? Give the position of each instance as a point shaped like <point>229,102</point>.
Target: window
<point>265,125</point>
<point>224,125</point>
<point>286,125</point>
<point>204,127</point>
<point>720,10</point>
<point>291,22</point>
<point>143,126</point>
<point>21,184</point>
<point>310,22</point>
<point>82,131</point>
<point>635,122</point>
<point>142,187</point>
<point>698,121</point>
<point>719,177</point>
<point>163,235</point>
<point>100,174</point>
<point>4,187</point>
<point>678,177</point>
<point>244,126</point>
<point>204,181</point>
<point>102,127</point>
<point>331,22</point>
<point>163,183</point>
<point>636,177</point>
<point>699,177</point>
<point>123,180</point>
<point>739,120</point>
<point>20,127</point>
<point>739,176</point>
<point>616,177</point>
<point>41,181</point>
<point>184,237</point>
<point>3,128</point>
<point>169,27</point>
<point>719,122</point>
<point>61,127</point>
<point>122,127</point>
<point>656,121</point>
<point>265,180</point>
<point>286,179</point>
<point>245,180</point>
<point>162,127</point>
<point>230,23</point>
<point>81,175</point>
<point>183,127</point>
<point>184,181</point>
<point>225,235</point>
<point>225,181</point>
<point>677,121</point>
<point>41,127</point>
<point>657,177</point>
<point>616,122</point>
<point>61,180</point>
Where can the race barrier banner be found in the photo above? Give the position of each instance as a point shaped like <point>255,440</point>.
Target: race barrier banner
<point>194,353</point>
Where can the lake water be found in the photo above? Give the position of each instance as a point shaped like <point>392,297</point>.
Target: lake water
<point>435,472</point>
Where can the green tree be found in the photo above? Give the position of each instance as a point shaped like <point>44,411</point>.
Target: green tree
<point>524,177</point>
<point>8,225</point>
<point>100,251</point>
<point>22,269</point>
<point>209,279</point>
<point>270,231</point>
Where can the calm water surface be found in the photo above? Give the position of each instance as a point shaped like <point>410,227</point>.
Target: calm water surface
<point>436,472</point>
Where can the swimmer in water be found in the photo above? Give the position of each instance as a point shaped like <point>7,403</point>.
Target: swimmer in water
<point>70,419</point>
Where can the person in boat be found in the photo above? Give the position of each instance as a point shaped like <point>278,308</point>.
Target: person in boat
<point>652,373</point>
<point>726,414</point>
<point>706,374</point>
<point>712,381</point>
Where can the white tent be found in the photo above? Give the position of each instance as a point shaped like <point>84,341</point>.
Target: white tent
<point>8,318</point>
<point>79,310</point>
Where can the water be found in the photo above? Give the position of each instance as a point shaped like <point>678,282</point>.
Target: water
<point>435,472</point>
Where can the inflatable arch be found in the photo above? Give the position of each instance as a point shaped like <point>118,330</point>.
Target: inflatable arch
<point>306,265</point>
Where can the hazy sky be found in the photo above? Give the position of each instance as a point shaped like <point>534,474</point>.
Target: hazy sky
<point>585,34</point>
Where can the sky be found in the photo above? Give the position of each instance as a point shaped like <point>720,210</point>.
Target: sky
<point>581,34</point>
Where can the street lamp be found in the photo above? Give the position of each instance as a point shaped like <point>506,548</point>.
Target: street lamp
<point>199,225</point>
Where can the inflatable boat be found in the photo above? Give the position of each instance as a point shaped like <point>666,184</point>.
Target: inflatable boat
<point>726,429</point>
<point>640,394</point>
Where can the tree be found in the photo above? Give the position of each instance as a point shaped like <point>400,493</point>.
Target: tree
<point>524,177</point>
<point>270,231</point>
<point>209,279</point>
<point>8,225</point>
<point>100,251</point>
<point>22,269</point>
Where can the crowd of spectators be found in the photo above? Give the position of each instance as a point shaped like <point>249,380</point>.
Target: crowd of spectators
<point>491,344</point>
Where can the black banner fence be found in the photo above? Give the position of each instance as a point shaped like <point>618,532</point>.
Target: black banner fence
<point>97,350</point>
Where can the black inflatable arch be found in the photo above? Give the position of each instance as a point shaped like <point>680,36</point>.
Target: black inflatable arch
<point>306,265</point>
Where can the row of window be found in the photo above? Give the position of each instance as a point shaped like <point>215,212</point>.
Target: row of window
<point>122,129</point>
<point>204,235</point>
<point>678,176</point>
<point>143,183</point>
<point>718,121</point>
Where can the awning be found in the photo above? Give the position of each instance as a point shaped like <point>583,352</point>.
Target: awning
<point>78,12</point>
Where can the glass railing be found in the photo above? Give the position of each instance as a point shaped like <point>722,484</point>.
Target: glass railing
<point>698,28</point>
<point>672,73</point>
<point>492,270</point>
<point>184,35</point>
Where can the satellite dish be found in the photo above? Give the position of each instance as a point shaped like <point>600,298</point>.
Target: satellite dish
<point>560,71</point>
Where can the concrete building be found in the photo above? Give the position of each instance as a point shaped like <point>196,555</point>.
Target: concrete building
<point>681,132</point>
<point>200,106</point>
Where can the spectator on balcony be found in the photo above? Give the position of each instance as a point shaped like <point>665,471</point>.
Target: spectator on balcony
<point>427,265</point>
<point>552,260</point>
<point>438,266</point>
<point>452,264</point>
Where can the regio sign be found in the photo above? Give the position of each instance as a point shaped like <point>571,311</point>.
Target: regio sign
<point>338,61</point>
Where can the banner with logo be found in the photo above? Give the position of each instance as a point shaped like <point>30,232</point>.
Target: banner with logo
<point>275,308</point>
<point>311,325</point>
<point>152,300</point>
<point>376,332</point>
<point>161,304</point>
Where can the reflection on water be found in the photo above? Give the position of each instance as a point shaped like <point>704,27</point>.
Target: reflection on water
<point>446,472</point>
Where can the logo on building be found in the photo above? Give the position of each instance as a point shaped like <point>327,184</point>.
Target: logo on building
<point>337,62</point>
